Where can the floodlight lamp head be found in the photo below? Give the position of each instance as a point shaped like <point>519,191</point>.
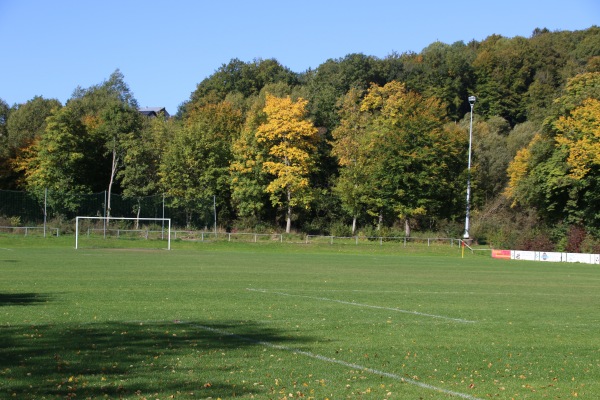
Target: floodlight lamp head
<point>472,100</point>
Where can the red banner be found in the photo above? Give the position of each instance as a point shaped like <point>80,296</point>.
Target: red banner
<point>502,254</point>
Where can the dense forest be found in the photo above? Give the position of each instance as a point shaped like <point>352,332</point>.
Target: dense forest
<point>359,145</point>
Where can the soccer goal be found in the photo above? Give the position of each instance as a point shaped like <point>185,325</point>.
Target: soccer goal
<point>152,228</point>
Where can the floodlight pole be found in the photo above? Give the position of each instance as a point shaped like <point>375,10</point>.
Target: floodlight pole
<point>468,213</point>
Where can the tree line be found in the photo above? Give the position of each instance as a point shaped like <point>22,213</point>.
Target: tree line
<point>357,145</point>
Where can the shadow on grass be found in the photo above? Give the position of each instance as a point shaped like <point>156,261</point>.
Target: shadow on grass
<point>130,360</point>
<point>22,299</point>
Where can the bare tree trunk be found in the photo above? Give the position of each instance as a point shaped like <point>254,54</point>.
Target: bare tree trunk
<point>406,228</point>
<point>113,172</point>
<point>353,226</point>
<point>288,225</point>
<point>137,215</point>
<point>188,219</point>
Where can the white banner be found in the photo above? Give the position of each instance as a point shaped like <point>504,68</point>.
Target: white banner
<point>583,258</point>
<point>522,255</point>
<point>550,256</point>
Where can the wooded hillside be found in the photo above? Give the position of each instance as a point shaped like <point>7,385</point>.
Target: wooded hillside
<point>358,145</point>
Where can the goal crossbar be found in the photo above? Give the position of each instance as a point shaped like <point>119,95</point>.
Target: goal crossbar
<point>168,220</point>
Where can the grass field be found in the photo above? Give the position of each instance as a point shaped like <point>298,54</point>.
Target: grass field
<point>274,321</point>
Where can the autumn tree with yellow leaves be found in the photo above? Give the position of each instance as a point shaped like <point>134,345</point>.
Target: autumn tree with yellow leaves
<point>291,142</point>
<point>580,134</point>
<point>558,173</point>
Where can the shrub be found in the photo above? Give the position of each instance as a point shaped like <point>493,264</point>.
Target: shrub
<point>340,229</point>
<point>576,235</point>
<point>64,225</point>
<point>538,241</point>
<point>590,245</point>
<point>450,229</point>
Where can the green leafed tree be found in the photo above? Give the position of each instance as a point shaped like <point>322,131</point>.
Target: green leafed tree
<point>416,158</point>
<point>248,179</point>
<point>504,69</point>
<point>80,150</point>
<point>4,113</point>
<point>351,146</point>
<point>6,170</point>
<point>491,157</point>
<point>239,77</point>
<point>332,79</point>
<point>28,121</point>
<point>118,121</point>
<point>26,124</point>
<point>558,174</point>
<point>195,166</point>
<point>443,71</point>
<point>143,150</point>
<point>56,161</point>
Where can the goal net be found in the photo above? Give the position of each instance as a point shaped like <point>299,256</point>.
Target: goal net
<point>122,228</point>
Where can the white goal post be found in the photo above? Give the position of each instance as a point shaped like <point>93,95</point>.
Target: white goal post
<point>168,220</point>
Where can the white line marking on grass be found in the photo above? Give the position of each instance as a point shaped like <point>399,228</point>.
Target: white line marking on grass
<point>332,360</point>
<point>407,292</point>
<point>461,320</point>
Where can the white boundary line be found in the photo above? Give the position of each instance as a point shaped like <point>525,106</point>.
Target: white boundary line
<point>458,293</point>
<point>333,360</point>
<point>461,320</point>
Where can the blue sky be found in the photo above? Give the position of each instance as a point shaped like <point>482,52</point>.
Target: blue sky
<point>164,49</point>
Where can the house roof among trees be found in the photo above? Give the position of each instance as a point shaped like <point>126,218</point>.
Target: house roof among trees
<point>153,111</point>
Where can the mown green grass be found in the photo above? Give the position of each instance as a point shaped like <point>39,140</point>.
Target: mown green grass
<point>273,321</point>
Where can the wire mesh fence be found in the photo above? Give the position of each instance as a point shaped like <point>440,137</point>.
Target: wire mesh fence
<point>21,211</point>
